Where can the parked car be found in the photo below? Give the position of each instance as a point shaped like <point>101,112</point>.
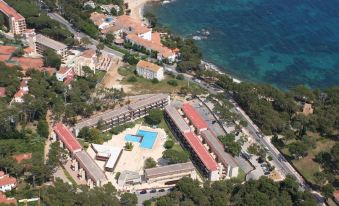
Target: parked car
<point>143,192</point>
<point>162,190</point>
<point>153,191</point>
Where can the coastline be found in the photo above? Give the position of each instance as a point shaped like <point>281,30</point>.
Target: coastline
<point>137,7</point>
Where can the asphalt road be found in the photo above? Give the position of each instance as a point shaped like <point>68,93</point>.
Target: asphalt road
<point>94,42</point>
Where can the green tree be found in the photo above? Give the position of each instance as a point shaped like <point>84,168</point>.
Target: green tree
<point>174,156</point>
<point>42,128</point>
<point>230,144</point>
<point>51,59</point>
<point>129,146</point>
<point>297,149</point>
<point>128,199</point>
<point>169,144</point>
<point>150,163</point>
<point>154,117</point>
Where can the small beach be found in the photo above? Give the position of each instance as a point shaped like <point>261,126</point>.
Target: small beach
<point>136,7</point>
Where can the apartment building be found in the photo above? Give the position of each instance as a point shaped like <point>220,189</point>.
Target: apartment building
<point>15,21</point>
<point>125,114</point>
<point>42,43</point>
<point>149,70</point>
<point>170,172</point>
<point>199,154</point>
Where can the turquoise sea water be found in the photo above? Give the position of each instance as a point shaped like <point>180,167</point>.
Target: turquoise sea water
<point>282,42</point>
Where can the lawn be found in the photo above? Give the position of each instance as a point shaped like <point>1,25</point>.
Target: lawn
<point>307,166</point>
<point>141,85</point>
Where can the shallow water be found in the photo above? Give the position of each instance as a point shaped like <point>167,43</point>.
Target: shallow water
<point>282,42</point>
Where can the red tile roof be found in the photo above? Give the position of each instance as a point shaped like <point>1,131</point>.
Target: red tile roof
<point>7,49</point>
<point>29,63</point>
<point>201,151</point>
<point>9,11</point>
<point>5,200</point>
<point>2,91</point>
<point>20,157</point>
<point>67,137</point>
<point>6,180</point>
<point>194,117</point>
<point>19,93</point>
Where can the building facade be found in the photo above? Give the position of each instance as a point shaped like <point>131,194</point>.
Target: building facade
<point>88,58</point>
<point>149,70</point>
<point>42,43</point>
<point>125,114</point>
<point>15,21</point>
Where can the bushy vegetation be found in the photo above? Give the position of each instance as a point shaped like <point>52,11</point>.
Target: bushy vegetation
<point>231,192</point>
<point>118,129</point>
<point>150,163</point>
<point>174,156</point>
<point>154,117</point>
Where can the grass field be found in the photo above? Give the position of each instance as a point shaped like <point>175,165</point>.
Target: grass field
<point>307,166</point>
<point>141,85</point>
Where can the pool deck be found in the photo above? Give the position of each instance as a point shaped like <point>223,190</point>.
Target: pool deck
<point>133,160</point>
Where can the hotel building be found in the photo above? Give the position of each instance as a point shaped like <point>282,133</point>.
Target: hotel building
<point>15,21</point>
<point>43,43</point>
<point>127,113</point>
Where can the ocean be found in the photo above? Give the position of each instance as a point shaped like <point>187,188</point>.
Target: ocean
<point>280,42</point>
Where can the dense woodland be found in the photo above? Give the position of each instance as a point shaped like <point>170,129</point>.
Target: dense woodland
<point>263,192</point>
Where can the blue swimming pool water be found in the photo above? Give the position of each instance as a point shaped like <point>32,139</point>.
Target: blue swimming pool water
<point>132,138</point>
<point>148,138</point>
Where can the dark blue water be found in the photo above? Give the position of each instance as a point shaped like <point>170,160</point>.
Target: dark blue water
<point>281,42</point>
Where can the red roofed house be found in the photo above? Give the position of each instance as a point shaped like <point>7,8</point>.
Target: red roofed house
<point>204,158</point>
<point>7,183</point>
<point>16,22</point>
<point>194,117</point>
<point>2,92</point>
<point>67,138</point>
<point>87,58</point>
<point>336,196</point>
<point>7,200</point>
<point>21,157</point>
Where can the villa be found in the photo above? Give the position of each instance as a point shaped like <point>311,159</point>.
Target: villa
<point>7,183</point>
<point>149,70</point>
<point>88,58</point>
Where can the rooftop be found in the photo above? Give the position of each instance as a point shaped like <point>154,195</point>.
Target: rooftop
<point>194,117</point>
<point>148,65</point>
<point>6,179</point>
<point>21,157</point>
<point>112,153</point>
<point>28,63</point>
<point>50,42</point>
<point>89,53</point>
<point>91,168</point>
<point>147,101</point>
<point>19,93</point>
<point>218,148</point>
<point>154,44</point>
<point>169,169</point>
<point>67,137</point>
<point>6,200</point>
<point>177,119</point>
<point>201,151</point>
<point>7,49</point>
<point>9,11</point>
<point>2,91</point>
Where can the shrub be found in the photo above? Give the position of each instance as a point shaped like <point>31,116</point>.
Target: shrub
<point>155,81</point>
<point>150,163</point>
<point>132,79</point>
<point>172,82</point>
<point>169,144</point>
<point>154,117</point>
<point>180,77</point>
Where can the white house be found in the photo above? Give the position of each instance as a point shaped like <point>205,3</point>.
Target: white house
<point>90,4</point>
<point>149,70</point>
<point>7,183</point>
<point>87,58</point>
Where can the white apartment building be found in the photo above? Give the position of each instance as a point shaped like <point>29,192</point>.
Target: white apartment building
<point>43,42</point>
<point>87,58</point>
<point>16,22</point>
<point>149,70</point>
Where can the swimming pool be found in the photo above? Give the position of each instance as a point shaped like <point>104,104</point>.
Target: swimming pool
<point>148,139</point>
<point>132,138</point>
